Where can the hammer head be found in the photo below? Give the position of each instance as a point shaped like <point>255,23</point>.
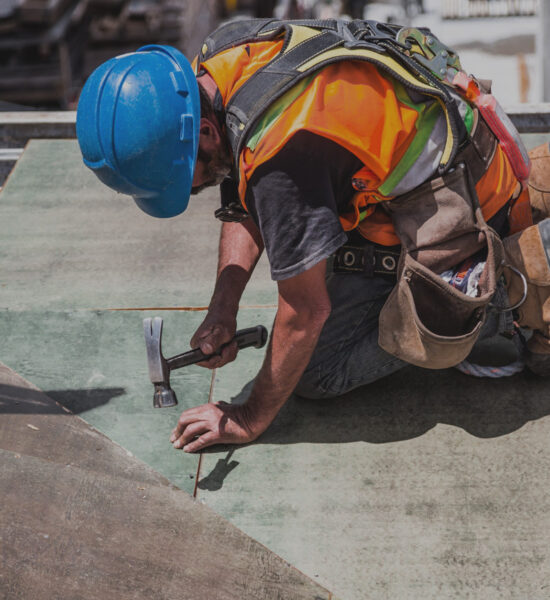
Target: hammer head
<point>159,372</point>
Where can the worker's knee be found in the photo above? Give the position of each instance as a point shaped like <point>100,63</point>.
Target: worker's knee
<point>310,386</point>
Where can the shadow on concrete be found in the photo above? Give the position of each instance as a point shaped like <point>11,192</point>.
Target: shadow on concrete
<point>214,480</point>
<point>15,399</point>
<point>409,403</point>
<point>79,401</point>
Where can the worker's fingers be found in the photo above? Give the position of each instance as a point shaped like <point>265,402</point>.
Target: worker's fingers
<point>190,433</point>
<point>227,354</point>
<point>201,335</point>
<point>188,417</point>
<point>211,363</point>
<point>203,441</point>
<point>211,424</point>
<point>212,338</point>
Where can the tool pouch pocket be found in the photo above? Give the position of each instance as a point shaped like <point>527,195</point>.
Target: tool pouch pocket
<point>425,321</point>
<point>528,251</point>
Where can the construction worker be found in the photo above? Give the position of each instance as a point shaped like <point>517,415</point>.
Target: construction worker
<point>365,162</point>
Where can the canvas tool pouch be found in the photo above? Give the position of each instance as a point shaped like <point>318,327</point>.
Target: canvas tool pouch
<point>425,321</point>
<point>528,251</point>
<point>539,182</point>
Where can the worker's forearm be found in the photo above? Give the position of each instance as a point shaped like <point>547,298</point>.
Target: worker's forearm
<point>303,308</point>
<point>292,342</point>
<point>239,250</point>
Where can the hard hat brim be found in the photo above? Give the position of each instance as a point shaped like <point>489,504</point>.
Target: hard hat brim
<point>171,202</point>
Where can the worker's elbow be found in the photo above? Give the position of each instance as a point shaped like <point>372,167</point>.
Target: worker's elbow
<point>321,312</point>
<point>308,317</point>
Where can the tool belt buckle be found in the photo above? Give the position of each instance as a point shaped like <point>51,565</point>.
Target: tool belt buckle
<point>435,55</point>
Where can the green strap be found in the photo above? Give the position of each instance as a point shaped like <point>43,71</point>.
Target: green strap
<point>275,110</point>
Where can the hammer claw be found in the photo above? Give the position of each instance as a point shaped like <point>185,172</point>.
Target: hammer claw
<point>158,369</point>
<point>156,330</point>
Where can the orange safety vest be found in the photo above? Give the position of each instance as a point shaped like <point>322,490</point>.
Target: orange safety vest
<point>353,104</point>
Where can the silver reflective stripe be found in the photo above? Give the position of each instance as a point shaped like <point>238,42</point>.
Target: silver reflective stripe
<point>428,160</point>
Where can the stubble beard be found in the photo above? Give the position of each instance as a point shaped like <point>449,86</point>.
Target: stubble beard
<point>216,167</point>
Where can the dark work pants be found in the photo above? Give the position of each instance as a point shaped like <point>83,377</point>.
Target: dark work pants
<point>347,354</point>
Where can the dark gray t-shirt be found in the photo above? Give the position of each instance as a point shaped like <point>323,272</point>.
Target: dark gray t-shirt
<point>295,198</point>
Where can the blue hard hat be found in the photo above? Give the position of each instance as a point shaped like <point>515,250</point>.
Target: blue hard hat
<point>137,125</point>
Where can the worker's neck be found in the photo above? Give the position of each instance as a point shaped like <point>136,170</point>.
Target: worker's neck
<point>208,84</point>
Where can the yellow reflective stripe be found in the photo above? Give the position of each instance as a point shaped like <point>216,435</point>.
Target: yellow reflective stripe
<point>373,57</point>
<point>299,34</point>
<point>447,151</point>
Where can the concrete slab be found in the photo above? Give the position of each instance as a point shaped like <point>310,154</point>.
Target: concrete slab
<point>68,242</point>
<point>72,533</point>
<point>427,485</point>
<point>69,246</point>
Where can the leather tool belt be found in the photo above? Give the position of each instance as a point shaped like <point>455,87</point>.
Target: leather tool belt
<point>425,321</point>
<point>370,260</point>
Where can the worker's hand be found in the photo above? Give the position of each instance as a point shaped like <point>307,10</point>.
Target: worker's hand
<point>219,423</point>
<point>216,329</point>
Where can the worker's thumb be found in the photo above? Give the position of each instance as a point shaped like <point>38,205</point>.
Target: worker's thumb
<point>212,340</point>
<point>207,348</point>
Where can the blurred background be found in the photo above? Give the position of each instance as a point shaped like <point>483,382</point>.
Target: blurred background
<point>49,47</point>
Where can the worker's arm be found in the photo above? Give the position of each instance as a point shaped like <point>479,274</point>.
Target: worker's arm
<point>303,307</point>
<point>239,250</point>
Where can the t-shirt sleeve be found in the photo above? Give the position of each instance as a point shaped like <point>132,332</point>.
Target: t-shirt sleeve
<point>293,198</point>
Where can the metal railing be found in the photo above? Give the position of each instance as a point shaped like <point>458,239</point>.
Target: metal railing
<point>16,128</point>
<point>530,118</point>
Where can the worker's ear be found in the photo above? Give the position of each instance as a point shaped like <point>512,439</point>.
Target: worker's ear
<point>210,135</point>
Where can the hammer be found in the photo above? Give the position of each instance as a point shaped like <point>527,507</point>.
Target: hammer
<point>160,367</point>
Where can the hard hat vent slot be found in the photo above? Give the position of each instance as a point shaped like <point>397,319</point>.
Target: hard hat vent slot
<point>186,132</point>
<point>180,85</point>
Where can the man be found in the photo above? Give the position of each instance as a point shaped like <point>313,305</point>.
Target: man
<point>324,163</point>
